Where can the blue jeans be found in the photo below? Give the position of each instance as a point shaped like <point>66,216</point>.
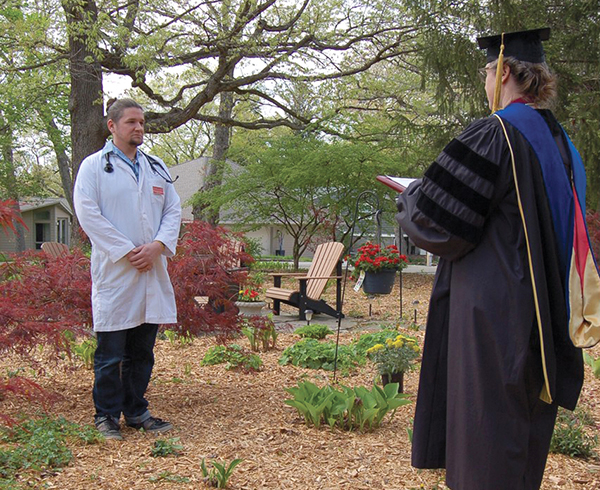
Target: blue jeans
<point>122,367</point>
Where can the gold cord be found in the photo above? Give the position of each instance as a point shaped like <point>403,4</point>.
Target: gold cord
<point>499,69</point>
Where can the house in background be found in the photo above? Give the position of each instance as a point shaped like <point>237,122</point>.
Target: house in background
<point>46,220</point>
<point>272,238</point>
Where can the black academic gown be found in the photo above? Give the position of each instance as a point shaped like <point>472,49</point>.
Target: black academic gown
<point>479,413</point>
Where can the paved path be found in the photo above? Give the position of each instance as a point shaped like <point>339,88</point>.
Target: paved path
<point>409,269</point>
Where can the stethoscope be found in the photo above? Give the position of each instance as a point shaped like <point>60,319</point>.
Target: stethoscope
<point>155,165</point>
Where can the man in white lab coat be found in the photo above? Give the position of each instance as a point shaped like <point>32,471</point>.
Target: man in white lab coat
<point>126,204</point>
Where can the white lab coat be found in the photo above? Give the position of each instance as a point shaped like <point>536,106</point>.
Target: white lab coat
<point>118,213</point>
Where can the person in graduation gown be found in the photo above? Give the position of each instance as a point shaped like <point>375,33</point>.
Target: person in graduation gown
<point>498,359</point>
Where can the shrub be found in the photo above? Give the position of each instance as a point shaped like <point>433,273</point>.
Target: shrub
<point>41,297</point>
<point>272,265</point>
<point>316,331</point>
<point>310,353</point>
<point>206,264</point>
<point>9,214</point>
<point>346,408</point>
<point>570,436</point>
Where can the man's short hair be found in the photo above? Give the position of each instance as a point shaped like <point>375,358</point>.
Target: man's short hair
<point>116,107</point>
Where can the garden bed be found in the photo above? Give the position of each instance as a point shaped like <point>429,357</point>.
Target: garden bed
<point>222,415</point>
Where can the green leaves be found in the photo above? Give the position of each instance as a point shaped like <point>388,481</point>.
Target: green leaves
<point>235,357</point>
<point>347,408</point>
<point>315,331</point>
<point>593,363</point>
<point>220,473</point>
<point>312,354</point>
<point>40,444</point>
<point>574,434</point>
<point>162,448</point>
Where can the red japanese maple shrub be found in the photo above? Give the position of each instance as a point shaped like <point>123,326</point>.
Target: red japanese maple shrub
<point>9,214</point>
<point>41,297</point>
<point>208,264</point>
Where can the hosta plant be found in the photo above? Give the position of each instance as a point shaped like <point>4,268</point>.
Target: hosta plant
<point>346,408</point>
<point>315,331</point>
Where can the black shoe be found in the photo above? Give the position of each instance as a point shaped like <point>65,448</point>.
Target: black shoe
<point>108,428</point>
<point>153,424</point>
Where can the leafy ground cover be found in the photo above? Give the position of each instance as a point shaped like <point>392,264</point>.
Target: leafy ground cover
<point>223,415</point>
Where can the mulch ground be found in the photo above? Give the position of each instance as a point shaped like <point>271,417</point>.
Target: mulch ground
<point>222,415</point>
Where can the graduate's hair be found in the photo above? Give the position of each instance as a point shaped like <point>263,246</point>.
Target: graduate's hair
<point>535,81</point>
<point>116,107</point>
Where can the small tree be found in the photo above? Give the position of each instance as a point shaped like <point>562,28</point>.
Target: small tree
<point>305,184</point>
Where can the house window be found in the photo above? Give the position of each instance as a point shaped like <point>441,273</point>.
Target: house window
<point>62,230</point>
<point>42,234</point>
<point>41,215</point>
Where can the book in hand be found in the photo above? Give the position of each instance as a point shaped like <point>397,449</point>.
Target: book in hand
<point>399,184</point>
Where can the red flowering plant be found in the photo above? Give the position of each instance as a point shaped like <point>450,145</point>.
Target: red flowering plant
<point>249,295</point>
<point>373,258</point>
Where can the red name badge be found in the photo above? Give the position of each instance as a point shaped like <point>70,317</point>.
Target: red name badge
<point>158,190</point>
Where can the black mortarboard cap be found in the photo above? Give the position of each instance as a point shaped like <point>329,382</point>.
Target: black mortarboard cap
<point>522,45</point>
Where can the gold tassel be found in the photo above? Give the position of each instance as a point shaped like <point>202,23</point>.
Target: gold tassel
<point>498,87</point>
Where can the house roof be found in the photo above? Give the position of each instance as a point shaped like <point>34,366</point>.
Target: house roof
<point>191,178</point>
<point>35,203</point>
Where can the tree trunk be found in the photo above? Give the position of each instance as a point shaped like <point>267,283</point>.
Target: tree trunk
<point>214,170</point>
<point>11,183</point>
<point>64,162</point>
<point>296,254</point>
<point>85,100</point>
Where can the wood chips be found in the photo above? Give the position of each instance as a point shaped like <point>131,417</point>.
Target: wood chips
<point>221,415</point>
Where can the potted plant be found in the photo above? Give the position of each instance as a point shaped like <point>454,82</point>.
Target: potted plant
<point>249,302</point>
<point>394,358</point>
<point>379,265</point>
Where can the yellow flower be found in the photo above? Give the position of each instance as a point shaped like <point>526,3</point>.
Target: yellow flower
<point>375,348</point>
<point>388,341</point>
<point>415,348</point>
<point>398,344</point>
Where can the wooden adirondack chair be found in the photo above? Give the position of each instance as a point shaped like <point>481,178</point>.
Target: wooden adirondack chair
<point>326,261</point>
<point>55,249</point>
